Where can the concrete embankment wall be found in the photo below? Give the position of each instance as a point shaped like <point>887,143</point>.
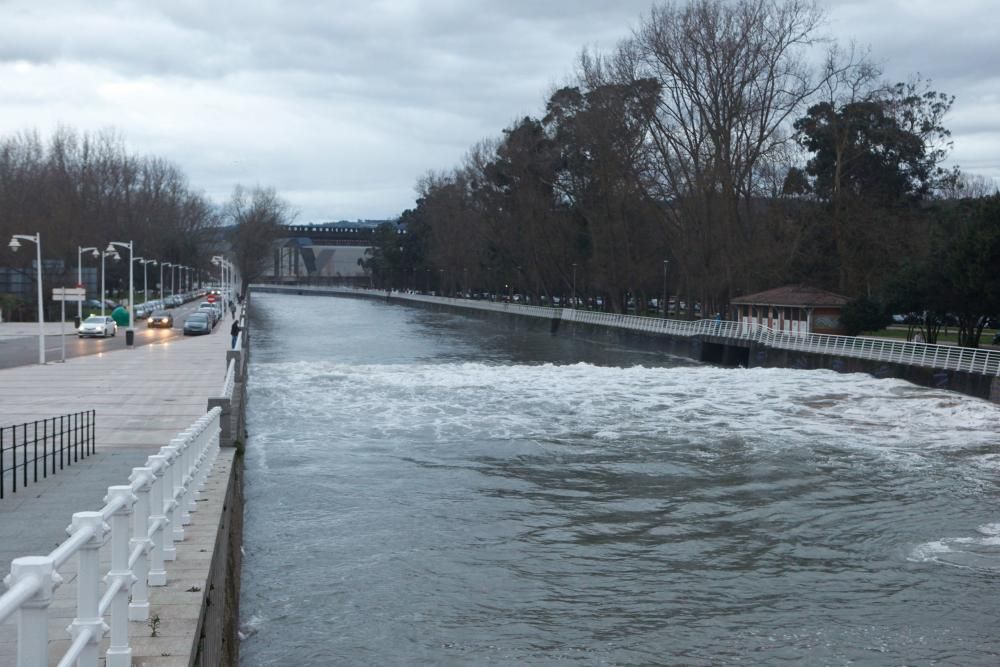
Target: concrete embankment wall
<point>708,349</point>
<point>218,640</point>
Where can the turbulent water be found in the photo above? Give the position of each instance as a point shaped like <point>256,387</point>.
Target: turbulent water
<point>433,489</point>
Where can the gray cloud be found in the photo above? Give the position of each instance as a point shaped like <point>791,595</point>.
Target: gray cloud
<point>343,106</point>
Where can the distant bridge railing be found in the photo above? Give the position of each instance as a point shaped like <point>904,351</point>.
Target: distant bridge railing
<point>948,357</point>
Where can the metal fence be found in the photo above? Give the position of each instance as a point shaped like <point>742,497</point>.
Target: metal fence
<point>43,447</point>
<point>948,357</point>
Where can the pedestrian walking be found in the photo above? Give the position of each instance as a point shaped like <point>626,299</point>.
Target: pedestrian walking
<point>232,309</point>
<point>235,331</point>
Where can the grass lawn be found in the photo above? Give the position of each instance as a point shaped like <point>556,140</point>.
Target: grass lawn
<point>945,336</point>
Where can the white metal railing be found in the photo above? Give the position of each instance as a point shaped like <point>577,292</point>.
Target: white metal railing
<point>147,516</point>
<point>230,381</point>
<point>949,357</point>
<point>240,338</point>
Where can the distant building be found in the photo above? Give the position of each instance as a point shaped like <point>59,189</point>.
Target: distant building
<point>792,309</point>
<point>323,253</point>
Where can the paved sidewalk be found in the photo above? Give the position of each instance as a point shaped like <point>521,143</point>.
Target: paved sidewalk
<point>143,397</point>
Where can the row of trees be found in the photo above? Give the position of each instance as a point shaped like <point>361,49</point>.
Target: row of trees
<point>80,190</point>
<point>84,190</point>
<point>704,152</point>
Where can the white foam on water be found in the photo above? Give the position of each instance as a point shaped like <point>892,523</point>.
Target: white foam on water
<point>981,552</point>
<point>758,408</point>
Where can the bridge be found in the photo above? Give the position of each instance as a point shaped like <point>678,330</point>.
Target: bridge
<point>321,253</point>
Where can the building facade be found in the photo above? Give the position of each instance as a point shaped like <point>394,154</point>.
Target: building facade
<point>792,309</point>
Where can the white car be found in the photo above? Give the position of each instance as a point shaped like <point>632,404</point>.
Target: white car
<point>97,325</point>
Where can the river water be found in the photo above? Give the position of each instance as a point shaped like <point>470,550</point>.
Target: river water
<point>434,489</point>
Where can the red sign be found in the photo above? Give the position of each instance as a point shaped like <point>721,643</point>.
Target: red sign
<point>210,298</point>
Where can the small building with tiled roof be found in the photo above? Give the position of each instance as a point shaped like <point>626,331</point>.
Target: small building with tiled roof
<point>792,309</point>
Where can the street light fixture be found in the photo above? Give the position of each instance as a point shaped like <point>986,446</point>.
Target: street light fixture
<point>14,245</point>
<point>665,263</point>
<point>145,283</point>
<point>226,276</point>
<point>131,285</point>
<point>114,255</point>
<point>79,275</point>
<point>163,264</point>
<point>574,286</point>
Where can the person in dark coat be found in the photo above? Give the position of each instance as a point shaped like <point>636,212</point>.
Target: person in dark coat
<point>235,331</point>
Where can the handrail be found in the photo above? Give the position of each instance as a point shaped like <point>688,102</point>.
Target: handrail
<point>946,357</point>
<point>146,519</point>
<point>230,381</point>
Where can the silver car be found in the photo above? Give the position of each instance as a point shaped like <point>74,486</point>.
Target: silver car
<point>97,325</point>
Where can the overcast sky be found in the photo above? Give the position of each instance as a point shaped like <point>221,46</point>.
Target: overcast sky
<point>342,106</point>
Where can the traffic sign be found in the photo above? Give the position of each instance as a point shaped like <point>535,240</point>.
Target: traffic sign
<point>210,298</point>
<point>68,293</point>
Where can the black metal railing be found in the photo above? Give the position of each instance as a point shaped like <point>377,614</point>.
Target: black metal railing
<point>43,447</point>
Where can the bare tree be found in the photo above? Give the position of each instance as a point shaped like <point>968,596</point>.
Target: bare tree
<point>733,75</point>
<point>257,215</point>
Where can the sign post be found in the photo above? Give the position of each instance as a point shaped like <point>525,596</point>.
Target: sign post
<point>62,295</point>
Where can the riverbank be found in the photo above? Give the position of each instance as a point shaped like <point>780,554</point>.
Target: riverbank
<point>972,372</point>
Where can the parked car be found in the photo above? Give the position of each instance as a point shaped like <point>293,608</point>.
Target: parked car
<point>211,308</point>
<point>198,323</point>
<point>161,319</point>
<point>97,325</point>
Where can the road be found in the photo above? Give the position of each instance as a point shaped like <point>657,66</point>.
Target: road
<point>22,351</point>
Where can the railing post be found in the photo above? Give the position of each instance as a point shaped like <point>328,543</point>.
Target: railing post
<point>119,652</point>
<point>32,617</point>
<point>138,608</point>
<point>236,355</point>
<point>88,586</point>
<point>192,455</point>
<point>157,569</point>
<point>170,501</point>
<point>225,420</point>
<point>205,456</point>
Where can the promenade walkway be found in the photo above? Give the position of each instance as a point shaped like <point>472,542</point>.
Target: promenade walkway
<point>143,397</point>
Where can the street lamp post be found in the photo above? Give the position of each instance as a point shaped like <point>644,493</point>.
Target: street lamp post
<point>220,262</point>
<point>665,263</point>
<point>113,254</point>
<point>145,282</point>
<point>79,275</point>
<point>574,285</point>
<point>14,245</point>
<point>131,285</point>
<point>163,264</point>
